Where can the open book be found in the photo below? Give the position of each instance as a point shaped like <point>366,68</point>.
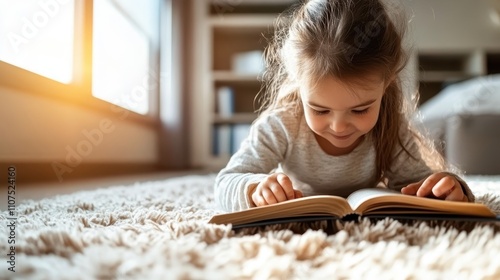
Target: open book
<point>373,202</point>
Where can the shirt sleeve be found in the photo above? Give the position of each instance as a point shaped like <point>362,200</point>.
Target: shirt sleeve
<point>408,169</point>
<point>259,154</point>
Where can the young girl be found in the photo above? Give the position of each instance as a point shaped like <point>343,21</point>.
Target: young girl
<point>334,118</point>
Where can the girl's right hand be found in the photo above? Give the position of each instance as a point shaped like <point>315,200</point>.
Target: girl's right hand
<point>274,188</point>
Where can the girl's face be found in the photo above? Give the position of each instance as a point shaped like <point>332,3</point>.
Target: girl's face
<point>341,113</point>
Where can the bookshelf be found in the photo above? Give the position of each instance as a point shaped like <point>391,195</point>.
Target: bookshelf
<point>226,31</point>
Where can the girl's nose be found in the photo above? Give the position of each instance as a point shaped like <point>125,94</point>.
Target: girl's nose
<point>338,125</point>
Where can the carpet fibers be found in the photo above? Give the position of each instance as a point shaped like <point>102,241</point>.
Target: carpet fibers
<point>159,230</point>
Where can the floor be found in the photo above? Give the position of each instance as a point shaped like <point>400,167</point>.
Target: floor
<point>44,190</point>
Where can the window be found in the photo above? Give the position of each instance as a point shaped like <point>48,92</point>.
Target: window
<point>50,38</point>
<point>38,36</point>
<point>121,52</point>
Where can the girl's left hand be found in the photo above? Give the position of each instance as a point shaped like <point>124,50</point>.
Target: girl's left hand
<point>438,185</point>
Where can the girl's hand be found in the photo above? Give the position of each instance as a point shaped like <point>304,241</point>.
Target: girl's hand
<point>438,185</point>
<point>274,188</point>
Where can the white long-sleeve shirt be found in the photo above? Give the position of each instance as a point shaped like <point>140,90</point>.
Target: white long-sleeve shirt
<point>282,140</point>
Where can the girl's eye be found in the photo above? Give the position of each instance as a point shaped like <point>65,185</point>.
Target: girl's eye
<point>360,112</point>
<point>318,112</point>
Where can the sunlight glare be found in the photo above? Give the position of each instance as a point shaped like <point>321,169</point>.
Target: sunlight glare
<point>120,62</point>
<point>38,36</point>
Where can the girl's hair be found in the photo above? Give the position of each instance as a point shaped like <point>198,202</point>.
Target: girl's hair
<point>346,39</point>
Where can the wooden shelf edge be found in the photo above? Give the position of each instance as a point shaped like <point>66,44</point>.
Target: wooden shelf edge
<point>242,21</point>
<point>235,119</point>
<point>230,76</point>
<point>258,2</point>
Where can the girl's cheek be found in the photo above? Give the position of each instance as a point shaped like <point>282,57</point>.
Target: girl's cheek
<point>316,124</point>
<point>370,121</point>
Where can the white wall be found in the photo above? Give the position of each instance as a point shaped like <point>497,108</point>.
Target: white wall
<point>39,129</point>
<point>454,24</point>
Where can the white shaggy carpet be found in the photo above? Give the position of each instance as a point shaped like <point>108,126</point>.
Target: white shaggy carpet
<point>159,230</point>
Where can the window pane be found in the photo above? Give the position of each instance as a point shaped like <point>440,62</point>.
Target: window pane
<point>38,35</point>
<point>120,62</point>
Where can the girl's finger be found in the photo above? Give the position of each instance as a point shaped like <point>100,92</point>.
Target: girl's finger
<point>425,189</point>
<point>268,196</point>
<point>298,194</point>
<point>258,199</point>
<point>456,195</point>
<point>286,185</point>
<point>278,192</point>
<point>411,189</point>
<point>444,187</point>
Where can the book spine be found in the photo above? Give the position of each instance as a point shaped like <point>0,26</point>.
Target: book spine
<point>223,140</point>
<point>225,101</point>
<point>239,133</point>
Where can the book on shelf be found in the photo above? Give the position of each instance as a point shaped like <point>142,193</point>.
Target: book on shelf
<point>227,138</point>
<point>370,203</point>
<point>249,62</point>
<point>238,133</point>
<point>225,101</point>
<point>222,140</point>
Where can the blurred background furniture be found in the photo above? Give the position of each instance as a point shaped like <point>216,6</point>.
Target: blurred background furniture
<point>464,121</point>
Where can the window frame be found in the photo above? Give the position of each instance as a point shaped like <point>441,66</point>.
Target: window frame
<point>79,90</point>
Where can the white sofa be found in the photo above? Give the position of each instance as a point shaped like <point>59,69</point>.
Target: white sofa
<point>464,120</point>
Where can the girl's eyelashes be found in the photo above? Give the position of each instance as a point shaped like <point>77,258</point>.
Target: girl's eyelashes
<point>320,112</point>
<point>360,112</point>
<point>324,112</point>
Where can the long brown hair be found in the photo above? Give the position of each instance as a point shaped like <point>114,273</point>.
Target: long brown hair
<point>346,39</point>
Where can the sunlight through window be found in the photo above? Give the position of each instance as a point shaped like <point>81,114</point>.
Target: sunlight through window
<point>38,35</point>
<point>121,56</point>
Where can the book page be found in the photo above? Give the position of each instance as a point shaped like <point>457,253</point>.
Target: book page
<point>356,198</point>
<point>319,205</point>
<point>386,201</point>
